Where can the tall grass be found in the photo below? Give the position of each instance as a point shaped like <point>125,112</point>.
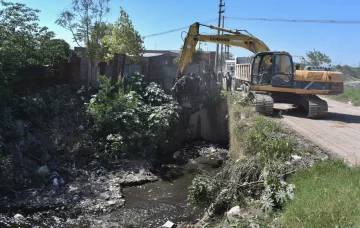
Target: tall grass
<point>350,94</point>
<point>327,195</point>
<point>255,135</point>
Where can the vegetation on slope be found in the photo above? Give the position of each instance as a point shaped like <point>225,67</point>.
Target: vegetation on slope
<point>327,195</point>
<point>138,121</point>
<point>350,73</point>
<point>260,178</point>
<point>256,174</point>
<point>350,94</point>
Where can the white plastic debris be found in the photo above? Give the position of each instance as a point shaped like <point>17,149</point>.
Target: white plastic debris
<point>55,182</point>
<point>168,224</point>
<point>43,170</point>
<point>18,216</point>
<point>111,202</point>
<point>233,211</point>
<point>296,157</point>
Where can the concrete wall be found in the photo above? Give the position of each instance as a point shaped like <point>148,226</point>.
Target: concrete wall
<point>205,125</point>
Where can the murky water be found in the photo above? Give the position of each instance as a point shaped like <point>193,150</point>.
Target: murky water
<point>151,205</point>
<point>148,205</point>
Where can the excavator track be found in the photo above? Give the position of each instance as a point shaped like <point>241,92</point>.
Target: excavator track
<point>264,103</point>
<point>314,106</point>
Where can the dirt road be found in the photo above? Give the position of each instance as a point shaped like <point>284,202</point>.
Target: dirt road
<point>339,133</point>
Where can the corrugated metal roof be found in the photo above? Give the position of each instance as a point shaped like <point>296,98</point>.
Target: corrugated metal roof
<point>147,55</point>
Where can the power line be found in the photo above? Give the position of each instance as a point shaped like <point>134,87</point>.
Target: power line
<point>176,30</point>
<point>297,21</point>
<point>265,19</point>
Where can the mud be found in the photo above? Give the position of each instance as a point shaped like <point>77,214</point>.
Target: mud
<point>119,198</point>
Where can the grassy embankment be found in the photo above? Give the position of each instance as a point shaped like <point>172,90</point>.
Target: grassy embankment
<point>325,195</point>
<point>350,94</point>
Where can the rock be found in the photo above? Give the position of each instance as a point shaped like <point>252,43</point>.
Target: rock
<point>168,224</point>
<point>21,127</point>
<point>233,212</point>
<point>295,157</point>
<point>43,170</point>
<point>61,181</point>
<point>138,179</point>
<point>46,157</point>
<point>19,216</point>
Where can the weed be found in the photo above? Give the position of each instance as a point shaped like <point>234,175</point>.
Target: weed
<point>350,94</point>
<point>327,195</point>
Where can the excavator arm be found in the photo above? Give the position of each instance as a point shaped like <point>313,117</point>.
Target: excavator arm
<point>235,38</point>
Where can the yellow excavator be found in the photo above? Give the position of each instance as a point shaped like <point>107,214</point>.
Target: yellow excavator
<point>270,76</point>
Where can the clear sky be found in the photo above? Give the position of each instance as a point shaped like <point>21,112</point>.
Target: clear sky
<point>339,41</point>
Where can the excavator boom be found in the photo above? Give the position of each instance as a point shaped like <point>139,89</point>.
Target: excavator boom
<point>270,77</point>
<point>235,38</point>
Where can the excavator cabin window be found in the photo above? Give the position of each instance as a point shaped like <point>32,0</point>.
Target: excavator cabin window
<point>272,69</point>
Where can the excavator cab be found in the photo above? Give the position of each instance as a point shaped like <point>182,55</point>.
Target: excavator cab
<point>272,68</point>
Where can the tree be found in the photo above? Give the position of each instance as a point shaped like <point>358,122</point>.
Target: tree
<point>196,57</point>
<point>85,22</point>
<point>316,58</point>
<point>123,39</point>
<point>22,43</point>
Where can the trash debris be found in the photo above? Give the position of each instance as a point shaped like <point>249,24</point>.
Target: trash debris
<point>19,216</point>
<point>111,202</point>
<point>43,170</point>
<point>168,224</point>
<point>233,212</point>
<point>295,157</point>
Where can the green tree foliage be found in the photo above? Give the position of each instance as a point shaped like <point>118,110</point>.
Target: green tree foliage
<point>24,43</point>
<point>85,22</point>
<point>316,58</point>
<point>124,39</point>
<point>196,57</point>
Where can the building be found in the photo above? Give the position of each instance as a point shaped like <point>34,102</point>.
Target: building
<point>156,65</point>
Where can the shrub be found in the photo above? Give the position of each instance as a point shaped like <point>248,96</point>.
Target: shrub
<point>147,122</point>
<point>239,181</point>
<point>203,191</point>
<point>263,138</point>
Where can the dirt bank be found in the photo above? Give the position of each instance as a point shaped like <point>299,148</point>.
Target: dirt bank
<point>338,134</point>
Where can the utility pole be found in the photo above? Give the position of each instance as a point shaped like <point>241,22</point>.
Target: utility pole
<point>222,60</point>
<point>217,45</point>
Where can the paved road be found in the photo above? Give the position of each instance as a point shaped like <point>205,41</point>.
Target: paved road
<point>339,133</point>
